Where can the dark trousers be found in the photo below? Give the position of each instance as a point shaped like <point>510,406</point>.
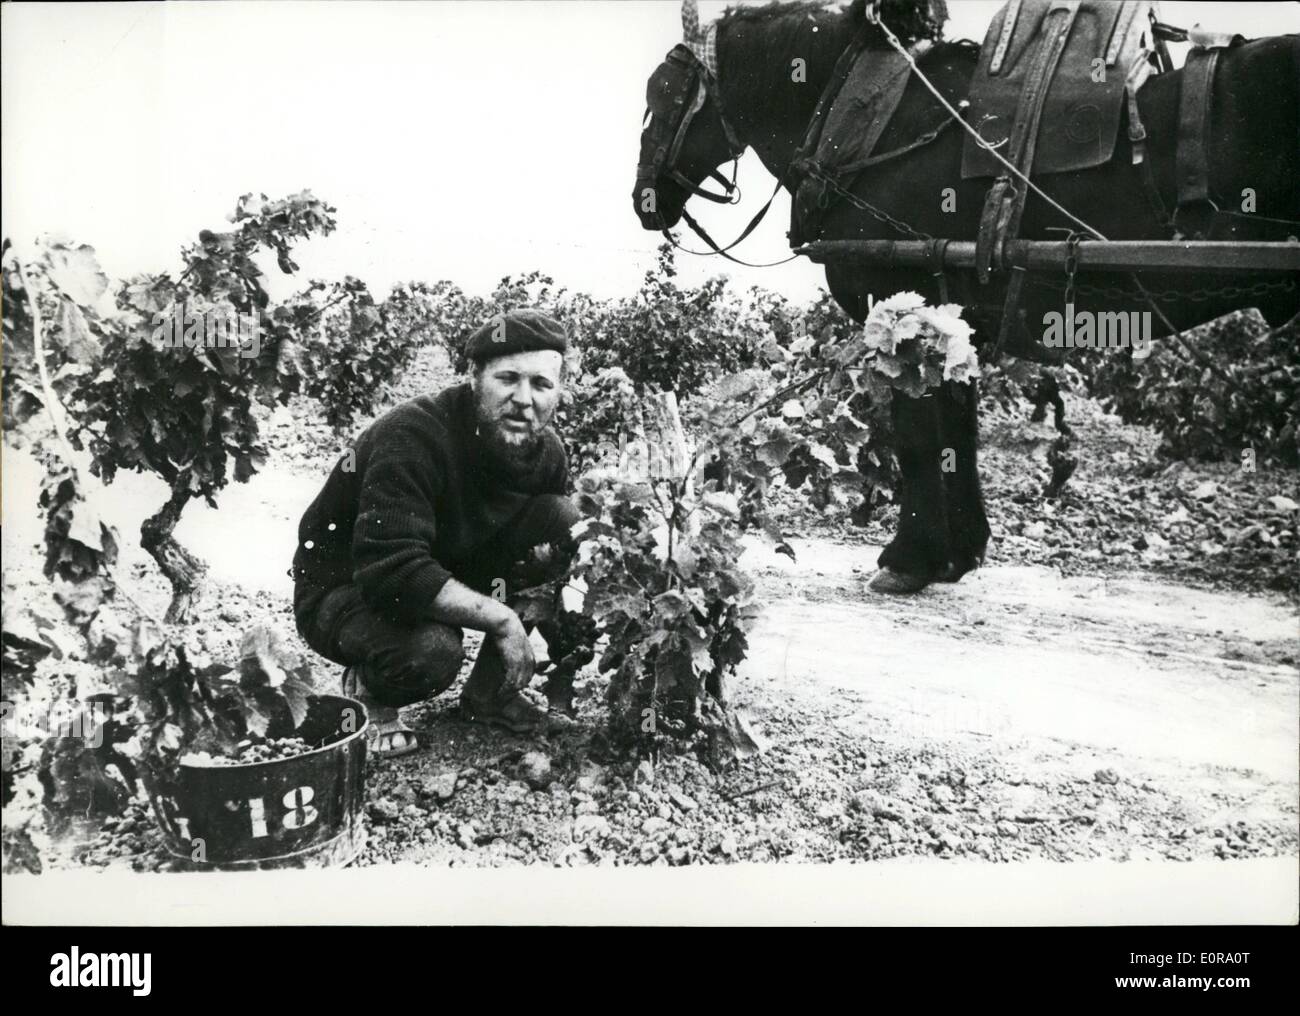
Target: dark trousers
<point>402,663</point>
<point>941,519</point>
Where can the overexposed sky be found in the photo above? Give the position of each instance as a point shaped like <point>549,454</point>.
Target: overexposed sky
<point>464,140</point>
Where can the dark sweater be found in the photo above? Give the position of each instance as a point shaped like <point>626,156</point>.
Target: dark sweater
<point>413,505</point>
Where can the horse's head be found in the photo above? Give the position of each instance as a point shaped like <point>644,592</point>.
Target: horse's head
<point>688,133</point>
<point>685,137</point>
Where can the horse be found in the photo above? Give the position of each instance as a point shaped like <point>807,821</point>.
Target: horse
<point>751,100</point>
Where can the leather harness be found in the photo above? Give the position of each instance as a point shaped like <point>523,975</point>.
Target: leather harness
<point>1005,200</point>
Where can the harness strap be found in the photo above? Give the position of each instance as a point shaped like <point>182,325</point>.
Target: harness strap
<point>839,73</point>
<point>1004,40</point>
<point>703,234</point>
<point>858,127</point>
<point>1137,136</point>
<point>1192,159</point>
<point>1162,35</point>
<point>731,195</point>
<point>850,170</point>
<point>1004,204</point>
<point>1119,33</point>
<point>714,89</point>
<point>936,252</point>
<point>1137,133</point>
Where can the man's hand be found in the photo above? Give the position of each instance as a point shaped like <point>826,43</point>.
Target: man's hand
<point>460,605</point>
<point>516,652</point>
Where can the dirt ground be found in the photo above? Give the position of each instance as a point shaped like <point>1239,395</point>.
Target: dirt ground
<point>1051,705</point>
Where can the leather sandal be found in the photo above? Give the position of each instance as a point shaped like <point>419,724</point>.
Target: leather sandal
<point>385,724</point>
<point>384,732</point>
<point>514,713</point>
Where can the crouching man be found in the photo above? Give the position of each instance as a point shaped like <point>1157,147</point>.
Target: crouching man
<point>446,506</point>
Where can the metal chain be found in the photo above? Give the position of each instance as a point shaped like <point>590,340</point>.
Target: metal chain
<point>1231,291</point>
<point>1071,265</point>
<point>877,213</point>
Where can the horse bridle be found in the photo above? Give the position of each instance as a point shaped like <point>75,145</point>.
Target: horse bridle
<point>697,83</point>
<point>699,86</point>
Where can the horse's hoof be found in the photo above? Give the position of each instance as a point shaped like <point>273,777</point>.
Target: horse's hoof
<point>889,581</point>
<point>953,571</point>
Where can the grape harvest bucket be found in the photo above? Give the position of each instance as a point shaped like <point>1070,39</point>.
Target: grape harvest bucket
<point>299,812</point>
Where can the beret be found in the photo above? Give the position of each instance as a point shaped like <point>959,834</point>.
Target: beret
<point>516,331</point>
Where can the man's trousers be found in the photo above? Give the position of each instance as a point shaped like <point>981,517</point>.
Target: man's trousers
<point>404,663</point>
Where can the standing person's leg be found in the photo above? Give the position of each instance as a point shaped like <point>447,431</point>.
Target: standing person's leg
<point>968,526</point>
<point>921,547</point>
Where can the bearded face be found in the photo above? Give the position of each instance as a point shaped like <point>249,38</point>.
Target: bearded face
<point>515,397</point>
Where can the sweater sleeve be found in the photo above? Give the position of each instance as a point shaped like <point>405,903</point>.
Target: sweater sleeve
<point>392,541</point>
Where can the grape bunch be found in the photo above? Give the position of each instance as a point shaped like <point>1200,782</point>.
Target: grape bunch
<point>251,752</point>
<point>272,750</point>
<point>570,642</point>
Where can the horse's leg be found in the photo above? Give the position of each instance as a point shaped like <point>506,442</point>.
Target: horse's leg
<point>1058,413</point>
<point>968,527</point>
<point>1040,397</point>
<point>1047,391</point>
<point>921,548</point>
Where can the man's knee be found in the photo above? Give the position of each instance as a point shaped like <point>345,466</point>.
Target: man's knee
<point>547,524</point>
<point>438,653</point>
<point>414,665</point>
<point>551,518</point>
<point>318,614</point>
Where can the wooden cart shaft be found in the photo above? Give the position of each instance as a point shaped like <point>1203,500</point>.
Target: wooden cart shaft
<point>1050,255</point>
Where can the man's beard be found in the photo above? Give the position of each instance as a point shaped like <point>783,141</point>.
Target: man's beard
<point>513,450</point>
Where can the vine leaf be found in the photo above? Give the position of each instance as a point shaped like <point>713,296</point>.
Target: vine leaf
<point>733,738</point>
<point>257,720</point>
<point>88,529</point>
<point>27,632</point>
<point>734,387</point>
<point>270,671</point>
<point>76,273</point>
<point>672,604</point>
<point>20,853</point>
<point>262,657</point>
<point>673,667</point>
<point>616,595</point>
<point>701,657</point>
<point>535,604</point>
<point>297,692</point>
<point>80,345</point>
